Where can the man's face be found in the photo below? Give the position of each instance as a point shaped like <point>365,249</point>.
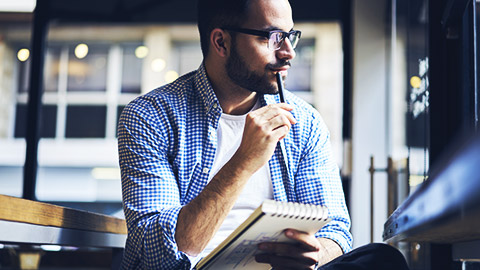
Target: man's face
<point>251,64</point>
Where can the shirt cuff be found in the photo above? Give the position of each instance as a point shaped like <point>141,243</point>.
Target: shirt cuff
<point>344,244</point>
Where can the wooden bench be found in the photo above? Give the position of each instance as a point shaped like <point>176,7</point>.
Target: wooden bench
<point>26,222</point>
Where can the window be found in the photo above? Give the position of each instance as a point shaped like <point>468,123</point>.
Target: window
<point>300,77</point>
<point>51,70</point>
<point>119,113</point>
<point>87,84</point>
<point>187,56</point>
<point>85,121</point>
<point>78,102</point>
<point>410,92</point>
<point>89,72</point>
<point>48,122</point>
<point>132,67</point>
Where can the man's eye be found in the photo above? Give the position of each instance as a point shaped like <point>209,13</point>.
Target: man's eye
<point>264,39</point>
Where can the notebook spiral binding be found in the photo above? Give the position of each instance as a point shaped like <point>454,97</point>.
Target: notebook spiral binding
<point>296,210</point>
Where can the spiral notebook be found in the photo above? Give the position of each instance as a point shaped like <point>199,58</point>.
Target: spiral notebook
<point>265,224</point>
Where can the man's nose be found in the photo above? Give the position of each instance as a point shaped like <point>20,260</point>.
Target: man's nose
<point>286,51</point>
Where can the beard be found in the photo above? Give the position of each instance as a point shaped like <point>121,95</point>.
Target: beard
<point>262,83</point>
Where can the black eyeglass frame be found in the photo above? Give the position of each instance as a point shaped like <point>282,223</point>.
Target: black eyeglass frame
<point>267,34</point>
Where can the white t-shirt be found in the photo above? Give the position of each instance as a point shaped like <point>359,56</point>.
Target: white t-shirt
<point>257,189</point>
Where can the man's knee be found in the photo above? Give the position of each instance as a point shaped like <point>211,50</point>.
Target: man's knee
<point>383,255</point>
<point>374,256</point>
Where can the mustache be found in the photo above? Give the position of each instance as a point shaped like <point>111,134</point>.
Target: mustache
<point>280,64</point>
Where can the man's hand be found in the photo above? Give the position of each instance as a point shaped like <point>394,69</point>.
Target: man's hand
<point>201,218</point>
<point>263,129</point>
<point>305,253</point>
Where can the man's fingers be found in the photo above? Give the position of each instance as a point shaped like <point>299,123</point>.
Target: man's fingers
<point>290,250</point>
<point>269,112</point>
<point>263,129</point>
<point>306,240</point>
<point>303,253</point>
<point>279,121</point>
<point>283,106</point>
<point>282,262</point>
<point>280,133</point>
<point>273,121</point>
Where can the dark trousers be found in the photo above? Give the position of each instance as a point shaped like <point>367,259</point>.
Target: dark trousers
<point>372,257</point>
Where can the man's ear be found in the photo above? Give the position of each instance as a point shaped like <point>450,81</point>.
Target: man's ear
<point>220,42</point>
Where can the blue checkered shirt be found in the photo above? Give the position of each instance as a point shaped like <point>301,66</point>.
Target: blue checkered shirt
<point>167,140</point>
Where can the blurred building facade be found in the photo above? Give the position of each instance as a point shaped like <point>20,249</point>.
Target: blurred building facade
<point>93,71</point>
<point>367,73</point>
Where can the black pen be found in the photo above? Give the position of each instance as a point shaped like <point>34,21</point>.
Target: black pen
<point>282,142</point>
<point>280,87</point>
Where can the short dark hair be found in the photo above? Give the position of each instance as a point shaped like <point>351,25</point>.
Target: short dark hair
<point>219,13</point>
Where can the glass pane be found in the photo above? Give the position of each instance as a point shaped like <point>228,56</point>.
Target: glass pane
<point>11,180</point>
<point>418,91</point>
<point>477,53</point>
<point>23,75</point>
<point>187,56</point>
<point>20,121</point>
<point>119,112</point>
<point>299,76</point>
<point>132,67</point>
<point>14,64</point>
<point>79,168</point>
<point>410,91</point>
<point>85,121</point>
<point>51,70</point>
<point>48,122</point>
<point>87,67</point>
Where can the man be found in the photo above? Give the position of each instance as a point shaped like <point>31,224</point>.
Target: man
<point>200,154</point>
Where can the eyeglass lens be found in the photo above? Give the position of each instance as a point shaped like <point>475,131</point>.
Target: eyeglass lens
<point>276,39</point>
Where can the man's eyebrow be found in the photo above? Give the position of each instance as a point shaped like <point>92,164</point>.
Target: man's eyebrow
<point>272,28</point>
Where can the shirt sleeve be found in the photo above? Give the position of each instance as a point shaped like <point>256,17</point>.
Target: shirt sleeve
<point>151,198</point>
<point>318,182</point>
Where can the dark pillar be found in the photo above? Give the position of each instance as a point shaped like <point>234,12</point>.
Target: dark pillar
<point>39,34</point>
<point>452,95</point>
<point>346,19</point>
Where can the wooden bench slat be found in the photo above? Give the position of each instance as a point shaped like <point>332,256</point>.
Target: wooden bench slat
<point>27,211</point>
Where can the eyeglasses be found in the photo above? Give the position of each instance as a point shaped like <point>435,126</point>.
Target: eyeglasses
<point>275,37</point>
